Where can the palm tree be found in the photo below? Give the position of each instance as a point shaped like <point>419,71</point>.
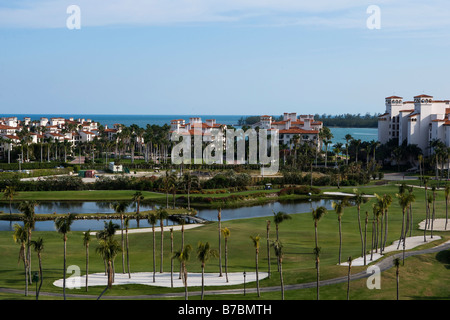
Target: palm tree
<point>86,241</point>
<point>173,185</point>
<point>204,253</point>
<point>348,138</point>
<point>226,235</point>
<point>63,225</point>
<point>183,256</point>
<point>365,237</point>
<point>171,259</point>
<point>447,194</point>
<point>268,247</point>
<point>9,193</point>
<point>397,274</point>
<point>255,240</point>
<point>433,215</point>
<point>189,181</point>
<point>161,215</point>
<point>339,206</point>
<point>38,246</point>
<point>127,224</point>
<point>278,247</point>
<point>152,218</point>
<point>120,207</point>
<point>27,208</point>
<point>316,252</point>
<point>278,218</point>
<point>20,236</point>
<point>404,200</point>
<point>359,199</point>
<point>318,214</point>
<point>108,249</point>
<point>348,276</point>
<point>219,220</point>
<point>138,197</point>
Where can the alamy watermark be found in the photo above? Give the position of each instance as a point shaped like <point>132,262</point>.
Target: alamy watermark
<point>222,142</point>
<point>374,20</point>
<point>74,20</point>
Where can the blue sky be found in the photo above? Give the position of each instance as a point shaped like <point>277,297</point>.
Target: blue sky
<point>220,57</point>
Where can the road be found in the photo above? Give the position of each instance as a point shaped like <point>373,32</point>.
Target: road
<point>384,265</point>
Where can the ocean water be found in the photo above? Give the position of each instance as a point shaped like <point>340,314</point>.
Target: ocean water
<point>365,134</point>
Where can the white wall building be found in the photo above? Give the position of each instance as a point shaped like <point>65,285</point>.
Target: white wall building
<point>418,122</point>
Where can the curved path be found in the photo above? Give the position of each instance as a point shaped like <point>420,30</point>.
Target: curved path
<point>385,264</point>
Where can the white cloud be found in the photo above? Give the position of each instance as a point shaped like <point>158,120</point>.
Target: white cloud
<point>399,14</point>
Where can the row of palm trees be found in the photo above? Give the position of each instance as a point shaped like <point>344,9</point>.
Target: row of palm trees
<point>109,247</point>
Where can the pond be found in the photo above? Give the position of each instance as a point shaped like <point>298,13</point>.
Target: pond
<point>262,210</point>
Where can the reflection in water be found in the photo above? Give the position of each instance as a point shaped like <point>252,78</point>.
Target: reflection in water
<point>263,210</point>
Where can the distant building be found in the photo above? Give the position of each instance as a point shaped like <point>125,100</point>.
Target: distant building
<point>418,122</point>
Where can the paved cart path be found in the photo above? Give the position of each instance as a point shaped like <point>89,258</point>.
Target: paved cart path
<point>384,265</point>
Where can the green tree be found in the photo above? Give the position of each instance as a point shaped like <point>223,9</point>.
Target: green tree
<point>397,274</point>
<point>278,247</point>
<point>138,197</point>
<point>152,218</point>
<point>20,236</point>
<point>38,246</point>
<point>183,255</point>
<point>9,193</point>
<point>338,207</point>
<point>316,252</point>
<point>63,225</point>
<point>226,234</point>
<point>120,207</point>
<point>318,214</point>
<point>86,242</point>
<point>255,240</point>
<point>162,214</point>
<point>204,253</point>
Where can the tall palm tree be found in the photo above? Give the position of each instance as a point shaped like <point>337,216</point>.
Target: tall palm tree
<point>268,247</point>
<point>338,207</point>
<point>138,197</point>
<point>219,225</point>
<point>226,235</point>
<point>108,249</point>
<point>62,225</point>
<point>38,246</point>
<point>404,200</point>
<point>171,257</point>
<point>278,218</point>
<point>183,255</point>
<point>278,247</point>
<point>120,207</point>
<point>318,214</point>
<point>162,214</point>
<point>348,138</point>
<point>348,276</point>
<point>152,218</point>
<point>20,236</point>
<point>86,241</point>
<point>447,194</point>
<point>365,237</point>
<point>127,224</point>
<point>255,240</point>
<point>316,252</point>
<point>204,253</point>
<point>9,193</point>
<point>189,181</point>
<point>359,199</point>
<point>397,274</point>
<point>27,208</point>
<point>173,185</point>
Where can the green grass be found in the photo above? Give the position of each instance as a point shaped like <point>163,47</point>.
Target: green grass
<point>422,277</point>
